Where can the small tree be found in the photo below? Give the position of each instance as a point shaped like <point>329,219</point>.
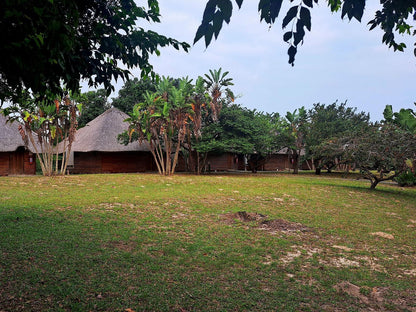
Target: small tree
<point>46,123</point>
<point>239,130</point>
<point>215,82</point>
<point>326,123</point>
<point>291,132</point>
<point>161,121</point>
<point>381,152</point>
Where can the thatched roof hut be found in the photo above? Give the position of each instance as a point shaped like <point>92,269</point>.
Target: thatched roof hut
<point>10,138</point>
<point>101,134</point>
<point>15,156</point>
<point>96,148</point>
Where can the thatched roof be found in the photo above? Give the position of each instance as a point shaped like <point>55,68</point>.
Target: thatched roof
<point>287,151</point>
<point>10,138</point>
<point>100,134</point>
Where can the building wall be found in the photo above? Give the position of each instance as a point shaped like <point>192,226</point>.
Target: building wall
<point>117,162</point>
<point>281,162</point>
<point>18,162</point>
<point>4,164</point>
<point>277,162</point>
<point>222,162</point>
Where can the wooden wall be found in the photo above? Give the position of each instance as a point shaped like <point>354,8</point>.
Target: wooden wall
<point>116,162</point>
<point>18,162</point>
<point>222,162</point>
<point>4,164</point>
<point>277,162</point>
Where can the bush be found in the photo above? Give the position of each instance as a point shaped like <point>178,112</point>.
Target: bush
<point>407,178</point>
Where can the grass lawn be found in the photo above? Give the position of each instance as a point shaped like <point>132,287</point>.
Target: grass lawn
<point>142,242</point>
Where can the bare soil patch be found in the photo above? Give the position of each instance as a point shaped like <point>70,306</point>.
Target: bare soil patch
<point>374,298</point>
<point>265,224</point>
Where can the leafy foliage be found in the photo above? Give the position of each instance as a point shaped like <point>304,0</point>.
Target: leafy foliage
<point>381,153</point>
<point>405,118</point>
<point>46,124</point>
<point>49,43</point>
<point>94,103</point>
<point>239,130</point>
<point>291,132</point>
<point>326,123</point>
<point>407,178</point>
<point>215,82</point>
<point>161,121</point>
<point>133,92</point>
<point>395,16</point>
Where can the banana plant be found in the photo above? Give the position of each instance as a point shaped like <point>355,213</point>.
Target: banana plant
<point>215,82</point>
<point>161,121</point>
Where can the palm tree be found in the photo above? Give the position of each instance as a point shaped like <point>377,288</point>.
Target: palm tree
<point>214,83</point>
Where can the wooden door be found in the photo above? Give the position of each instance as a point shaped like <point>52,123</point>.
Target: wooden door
<point>16,163</point>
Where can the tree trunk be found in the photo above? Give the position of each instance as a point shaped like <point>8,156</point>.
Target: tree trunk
<point>295,163</point>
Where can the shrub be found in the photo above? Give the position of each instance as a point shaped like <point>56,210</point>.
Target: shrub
<point>407,178</point>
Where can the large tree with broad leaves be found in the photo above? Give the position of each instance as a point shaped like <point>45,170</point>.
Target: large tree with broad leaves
<point>393,17</point>
<point>45,44</point>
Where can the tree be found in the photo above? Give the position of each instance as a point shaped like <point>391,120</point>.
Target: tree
<point>161,121</point>
<point>239,130</point>
<point>133,92</point>
<point>405,118</point>
<point>381,152</point>
<point>47,44</point>
<point>94,103</point>
<point>291,132</point>
<point>395,17</point>
<point>46,124</point>
<point>215,82</point>
<point>326,123</point>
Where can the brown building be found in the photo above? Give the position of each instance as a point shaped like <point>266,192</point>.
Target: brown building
<point>283,161</point>
<point>97,150</point>
<point>224,162</point>
<point>15,157</point>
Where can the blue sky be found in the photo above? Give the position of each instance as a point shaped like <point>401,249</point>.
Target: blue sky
<point>339,60</point>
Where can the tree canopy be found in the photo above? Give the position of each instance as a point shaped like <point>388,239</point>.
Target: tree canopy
<point>47,44</point>
<point>326,123</point>
<point>94,103</point>
<point>394,17</point>
<point>133,92</point>
<point>381,152</point>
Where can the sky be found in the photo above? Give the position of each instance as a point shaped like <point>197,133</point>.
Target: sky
<point>340,60</point>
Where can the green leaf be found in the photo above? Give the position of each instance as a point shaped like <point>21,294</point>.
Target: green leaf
<point>287,36</point>
<point>308,3</point>
<point>217,23</point>
<point>166,109</point>
<point>305,17</point>
<point>353,8</point>
<point>239,3</point>
<point>208,35</point>
<point>290,15</point>
<point>292,52</point>
<point>226,8</point>
<point>264,9</point>
<point>209,11</point>
<point>275,7</point>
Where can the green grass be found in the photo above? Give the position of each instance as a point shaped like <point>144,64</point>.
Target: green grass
<point>150,243</point>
